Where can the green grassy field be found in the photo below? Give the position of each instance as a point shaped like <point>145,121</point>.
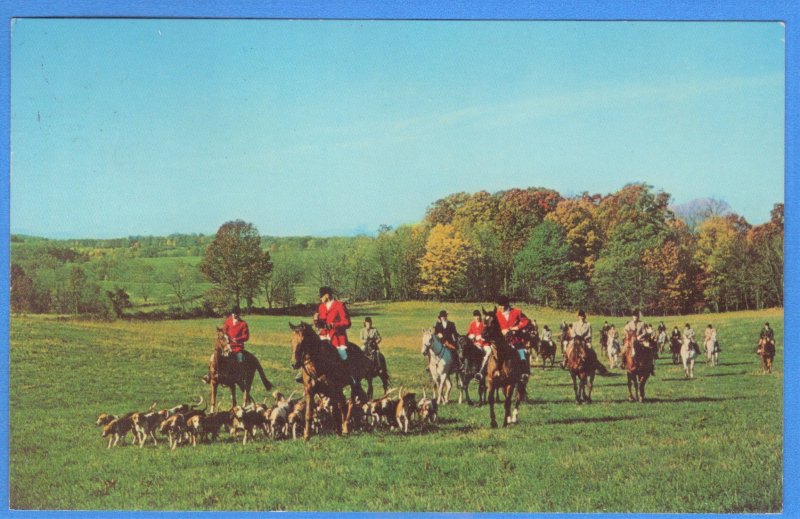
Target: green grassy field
<point>713,444</point>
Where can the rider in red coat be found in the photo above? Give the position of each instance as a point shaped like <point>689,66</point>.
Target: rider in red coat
<point>332,321</point>
<point>515,327</point>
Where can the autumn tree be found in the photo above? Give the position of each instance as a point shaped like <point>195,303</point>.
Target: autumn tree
<point>22,290</point>
<point>444,264</point>
<point>582,231</point>
<point>234,261</point>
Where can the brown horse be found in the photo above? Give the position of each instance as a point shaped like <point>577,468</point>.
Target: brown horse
<point>582,364</point>
<point>223,370</point>
<point>546,350</point>
<point>325,374</point>
<point>638,359</point>
<point>503,370</point>
<point>766,348</point>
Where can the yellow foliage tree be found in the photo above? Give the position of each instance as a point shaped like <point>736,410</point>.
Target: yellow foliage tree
<point>443,267</point>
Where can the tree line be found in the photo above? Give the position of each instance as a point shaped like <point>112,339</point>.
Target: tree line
<point>608,253</point>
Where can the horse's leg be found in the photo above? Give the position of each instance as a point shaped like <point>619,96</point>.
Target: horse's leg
<point>642,383</point>
<point>233,395</point>
<point>590,383</point>
<point>575,387</point>
<point>345,412</point>
<point>309,413</point>
<point>490,389</point>
<point>630,383</point>
<point>449,385</point>
<point>369,388</point>
<point>508,390</point>
<point>213,402</point>
<point>520,396</point>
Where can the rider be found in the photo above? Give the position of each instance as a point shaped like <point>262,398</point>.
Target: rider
<point>475,334</point>
<point>710,340</point>
<point>688,337</point>
<point>370,337</point>
<point>516,328</point>
<point>580,328</point>
<point>635,332</point>
<point>237,332</point>
<point>676,334</point>
<point>332,321</point>
<point>767,336</point>
<point>446,332</point>
<point>604,334</point>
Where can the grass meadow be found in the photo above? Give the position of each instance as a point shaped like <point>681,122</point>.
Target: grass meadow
<point>713,444</point>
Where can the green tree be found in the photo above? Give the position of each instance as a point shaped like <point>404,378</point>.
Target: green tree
<point>182,283</point>
<point>234,261</point>
<point>542,268</point>
<point>120,300</point>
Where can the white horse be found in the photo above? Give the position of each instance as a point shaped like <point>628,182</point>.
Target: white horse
<point>612,351</point>
<point>712,350</point>
<point>441,363</point>
<point>688,354</point>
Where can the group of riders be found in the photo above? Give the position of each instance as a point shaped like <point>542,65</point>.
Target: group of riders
<point>332,320</point>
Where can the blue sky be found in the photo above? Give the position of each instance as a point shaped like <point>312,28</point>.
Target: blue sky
<point>122,127</point>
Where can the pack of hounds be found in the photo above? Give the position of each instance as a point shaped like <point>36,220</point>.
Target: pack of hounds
<point>185,424</point>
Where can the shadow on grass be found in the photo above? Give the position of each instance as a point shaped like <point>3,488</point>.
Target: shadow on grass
<point>693,399</point>
<point>726,374</point>
<point>599,419</point>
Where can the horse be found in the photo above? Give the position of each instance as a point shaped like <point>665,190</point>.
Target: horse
<point>766,349</point>
<point>441,364</point>
<point>639,363</point>
<point>547,350</point>
<point>223,370</point>
<point>582,364</point>
<point>323,374</point>
<point>503,370</point>
<point>712,351</point>
<point>366,367</point>
<point>471,358</point>
<point>675,348</point>
<point>612,351</point>
<point>689,351</point>
<point>662,341</point>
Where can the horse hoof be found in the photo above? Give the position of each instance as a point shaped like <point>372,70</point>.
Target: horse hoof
<point>630,399</point>
<point>494,425</point>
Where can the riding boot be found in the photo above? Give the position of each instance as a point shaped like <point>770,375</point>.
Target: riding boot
<point>526,367</point>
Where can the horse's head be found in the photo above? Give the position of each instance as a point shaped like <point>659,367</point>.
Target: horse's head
<point>427,341</point>
<point>223,344</point>
<point>491,328</point>
<point>302,337</point>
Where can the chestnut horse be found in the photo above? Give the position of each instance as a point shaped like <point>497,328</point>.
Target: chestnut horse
<point>325,374</point>
<point>638,359</point>
<point>223,369</point>
<point>503,370</point>
<point>582,364</point>
<point>766,349</point>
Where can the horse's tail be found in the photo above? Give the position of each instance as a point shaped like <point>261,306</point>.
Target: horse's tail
<point>600,368</point>
<point>384,368</point>
<point>267,383</point>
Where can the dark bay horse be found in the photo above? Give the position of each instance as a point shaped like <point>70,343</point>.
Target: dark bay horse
<point>546,350</point>
<point>325,374</point>
<point>471,358</point>
<point>638,359</point>
<point>582,364</point>
<point>223,370</point>
<point>503,371</point>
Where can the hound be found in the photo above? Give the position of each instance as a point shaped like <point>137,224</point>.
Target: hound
<point>405,409</point>
<point>117,429</point>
